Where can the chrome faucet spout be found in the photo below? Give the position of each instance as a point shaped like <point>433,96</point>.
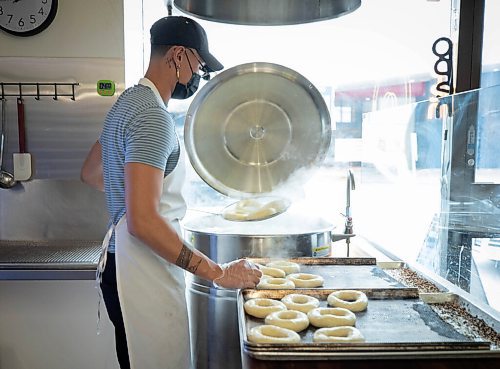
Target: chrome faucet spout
<point>351,185</point>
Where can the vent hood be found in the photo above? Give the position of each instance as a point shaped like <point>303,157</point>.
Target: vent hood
<point>267,12</point>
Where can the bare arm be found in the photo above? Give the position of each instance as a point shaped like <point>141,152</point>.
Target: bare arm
<point>91,172</point>
<point>143,187</point>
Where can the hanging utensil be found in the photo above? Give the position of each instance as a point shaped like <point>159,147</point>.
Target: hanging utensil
<point>6,179</point>
<point>22,160</point>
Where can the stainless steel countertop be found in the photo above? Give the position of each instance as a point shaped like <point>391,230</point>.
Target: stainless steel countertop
<point>56,259</point>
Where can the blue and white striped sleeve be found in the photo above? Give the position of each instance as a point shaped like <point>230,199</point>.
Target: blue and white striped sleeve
<point>150,138</point>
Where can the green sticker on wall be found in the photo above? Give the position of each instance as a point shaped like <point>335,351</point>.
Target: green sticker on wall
<point>105,87</point>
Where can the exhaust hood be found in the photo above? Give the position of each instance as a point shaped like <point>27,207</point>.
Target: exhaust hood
<point>266,12</point>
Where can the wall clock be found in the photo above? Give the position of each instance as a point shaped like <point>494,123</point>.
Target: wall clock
<point>26,17</point>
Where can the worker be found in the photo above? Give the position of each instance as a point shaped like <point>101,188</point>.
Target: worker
<point>138,163</point>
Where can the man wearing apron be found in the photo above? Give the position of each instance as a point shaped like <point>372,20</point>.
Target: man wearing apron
<point>138,163</point>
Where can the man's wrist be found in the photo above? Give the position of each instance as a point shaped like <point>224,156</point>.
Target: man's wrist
<point>217,272</point>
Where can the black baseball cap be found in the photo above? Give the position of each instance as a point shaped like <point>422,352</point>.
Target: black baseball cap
<point>183,31</point>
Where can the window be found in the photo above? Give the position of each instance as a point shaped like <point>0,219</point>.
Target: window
<point>343,114</point>
<point>374,68</point>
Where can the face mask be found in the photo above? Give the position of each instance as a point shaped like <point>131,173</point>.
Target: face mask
<point>182,91</point>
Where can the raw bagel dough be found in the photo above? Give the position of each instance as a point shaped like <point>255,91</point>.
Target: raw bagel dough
<point>338,334</point>
<point>275,284</point>
<point>306,280</point>
<point>289,319</point>
<point>348,299</point>
<point>252,209</point>
<point>260,307</point>
<point>272,272</point>
<point>298,302</point>
<point>331,317</point>
<point>272,334</point>
<point>287,266</point>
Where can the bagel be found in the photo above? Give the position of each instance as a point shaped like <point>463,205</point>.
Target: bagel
<point>298,302</point>
<point>275,284</point>
<point>272,272</point>
<point>260,307</point>
<point>287,266</point>
<point>331,317</point>
<point>352,300</point>
<point>306,280</point>
<point>289,319</point>
<point>338,334</point>
<point>272,334</point>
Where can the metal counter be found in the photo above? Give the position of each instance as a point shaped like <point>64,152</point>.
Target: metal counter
<point>49,260</point>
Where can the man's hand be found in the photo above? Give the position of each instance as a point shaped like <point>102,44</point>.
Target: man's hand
<point>238,274</point>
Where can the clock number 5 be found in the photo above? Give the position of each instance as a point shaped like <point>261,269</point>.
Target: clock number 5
<point>32,19</point>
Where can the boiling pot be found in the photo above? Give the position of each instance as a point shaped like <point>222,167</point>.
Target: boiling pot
<point>249,131</point>
<point>213,311</point>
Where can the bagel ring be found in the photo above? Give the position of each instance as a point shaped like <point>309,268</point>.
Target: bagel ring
<point>306,280</point>
<point>331,317</point>
<point>287,266</point>
<point>272,334</point>
<point>290,319</point>
<point>275,284</point>
<point>298,302</point>
<point>338,334</point>
<point>260,307</point>
<point>272,272</point>
<point>348,299</point>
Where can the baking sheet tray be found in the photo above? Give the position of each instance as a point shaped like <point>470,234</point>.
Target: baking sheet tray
<point>397,321</point>
<point>344,273</point>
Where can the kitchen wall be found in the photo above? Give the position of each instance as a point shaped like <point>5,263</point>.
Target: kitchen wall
<point>90,28</point>
<point>52,324</point>
<point>84,43</point>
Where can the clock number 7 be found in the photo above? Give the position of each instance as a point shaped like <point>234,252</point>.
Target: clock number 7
<point>10,17</point>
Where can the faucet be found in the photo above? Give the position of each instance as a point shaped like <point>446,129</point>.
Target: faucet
<point>351,185</point>
<point>348,230</point>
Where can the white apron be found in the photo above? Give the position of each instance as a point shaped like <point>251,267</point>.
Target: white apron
<point>152,290</point>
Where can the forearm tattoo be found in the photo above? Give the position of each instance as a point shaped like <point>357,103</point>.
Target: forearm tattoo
<point>184,259</point>
<point>194,268</point>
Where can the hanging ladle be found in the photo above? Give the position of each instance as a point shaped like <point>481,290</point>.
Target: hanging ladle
<point>6,179</point>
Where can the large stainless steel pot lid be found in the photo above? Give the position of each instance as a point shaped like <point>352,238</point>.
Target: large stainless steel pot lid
<point>266,12</point>
<point>252,126</point>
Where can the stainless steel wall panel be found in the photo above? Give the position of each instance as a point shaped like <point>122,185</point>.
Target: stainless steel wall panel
<point>55,205</point>
<point>59,132</point>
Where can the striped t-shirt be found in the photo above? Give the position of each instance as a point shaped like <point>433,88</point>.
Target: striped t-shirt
<point>137,129</point>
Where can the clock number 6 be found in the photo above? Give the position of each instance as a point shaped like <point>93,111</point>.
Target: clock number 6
<point>21,22</point>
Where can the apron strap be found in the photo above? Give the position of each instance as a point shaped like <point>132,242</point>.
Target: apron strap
<point>101,265</point>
